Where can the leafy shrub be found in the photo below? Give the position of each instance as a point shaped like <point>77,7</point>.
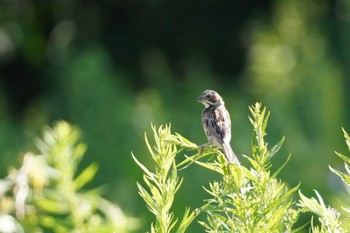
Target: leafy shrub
<point>46,194</point>
<point>244,200</point>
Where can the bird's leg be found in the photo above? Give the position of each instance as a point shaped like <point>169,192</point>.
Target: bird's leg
<point>203,146</point>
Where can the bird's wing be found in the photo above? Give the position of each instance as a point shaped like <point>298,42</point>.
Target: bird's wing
<point>220,126</point>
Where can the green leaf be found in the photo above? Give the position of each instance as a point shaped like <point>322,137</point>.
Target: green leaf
<point>344,177</point>
<point>55,224</point>
<point>251,121</point>
<point>188,217</point>
<point>276,148</point>
<point>297,230</point>
<point>347,138</point>
<point>310,204</point>
<point>85,176</point>
<point>281,199</point>
<point>146,171</point>
<point>191,159</point>
<point>53,206</point>
<point>274,175</point>
<point>210,166</point>
<point>277,216</point>
<point>147,198</point>
<point>148,145</point>
<point>79,151</point>
<point>266,119</point>
<point>344,221</point>
<point>343,157</point>
<point>347,168</point>
<point>185,142</point>
<point>254,163</point>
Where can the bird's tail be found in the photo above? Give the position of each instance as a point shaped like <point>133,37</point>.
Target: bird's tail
<point>230,155</point>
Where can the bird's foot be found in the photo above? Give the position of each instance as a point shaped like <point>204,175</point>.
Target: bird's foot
<point>202,147</point>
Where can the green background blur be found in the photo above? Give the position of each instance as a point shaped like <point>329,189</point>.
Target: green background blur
<point>115,67</point>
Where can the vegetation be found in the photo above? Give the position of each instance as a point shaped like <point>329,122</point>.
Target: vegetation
<point>47,194</point>
<point>244,200</point>
<point>330,219</point>
<point>113,67</point>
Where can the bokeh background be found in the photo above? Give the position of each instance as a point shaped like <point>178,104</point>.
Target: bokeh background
<point>114,67</point>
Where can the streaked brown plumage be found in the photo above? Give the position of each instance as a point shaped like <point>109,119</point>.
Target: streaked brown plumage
<point>217,123</point>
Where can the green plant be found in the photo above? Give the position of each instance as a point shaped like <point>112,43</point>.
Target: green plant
<point>244,200</point>
<point>250,200</point>
<point>329,218</point>
<point>163,183</point>
<point>47,194</point>
<point>345,177</point>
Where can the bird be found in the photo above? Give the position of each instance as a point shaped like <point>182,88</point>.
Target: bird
<point>217,123</point>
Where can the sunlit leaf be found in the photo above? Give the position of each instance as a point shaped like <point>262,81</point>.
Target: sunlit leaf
<point>85,176</point>
<point>344,177</point>
<point>343,157</point>
<point>274,175</point>
<point>53,206</point>
<point>276,148</point>
<point>188,217</point>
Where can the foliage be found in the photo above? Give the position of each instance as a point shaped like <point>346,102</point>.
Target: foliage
<point>47,193</point>
<point>124,64</point>
<point>163,183</point>
<point>251,200</point>
<point>345,177</point>
<point>244,200</point>
<point>329,218</point>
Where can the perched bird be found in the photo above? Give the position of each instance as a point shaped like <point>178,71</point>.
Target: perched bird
<point>217,123</point>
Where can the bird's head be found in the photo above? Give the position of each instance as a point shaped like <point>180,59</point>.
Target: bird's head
<point>209,98</point>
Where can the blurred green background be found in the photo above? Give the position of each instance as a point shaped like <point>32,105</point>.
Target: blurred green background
<point>115,67</point>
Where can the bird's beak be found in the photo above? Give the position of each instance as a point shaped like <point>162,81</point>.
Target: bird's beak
<point>199,99</point>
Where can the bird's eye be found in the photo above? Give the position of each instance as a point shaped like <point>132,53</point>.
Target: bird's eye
<point>208,96</point>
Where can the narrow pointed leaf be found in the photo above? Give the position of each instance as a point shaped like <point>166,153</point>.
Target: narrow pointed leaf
<point>282,198</point>
<point>85,176</point>
<point>274,175</point>
<point>266,119</point>
<point>148,173</point>
<point>276,148</point>
<point>344,177</point>
<point>343,157</point>
<point>209,166</point>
